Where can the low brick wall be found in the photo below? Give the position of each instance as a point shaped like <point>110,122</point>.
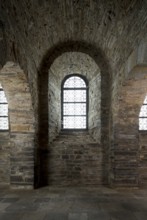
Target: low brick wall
<point>73,160</point>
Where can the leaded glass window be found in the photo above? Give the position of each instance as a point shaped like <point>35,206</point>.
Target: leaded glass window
<point>143,116</point>
<point>4,125</point>
<point>74,102</point>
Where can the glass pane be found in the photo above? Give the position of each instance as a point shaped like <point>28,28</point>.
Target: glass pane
<point>2,97</point>
<point>4,123</point>
<point>74,96</point>
<point>3,109</point>
<point>74,109</point>
<point>74,82</point>
<point>142,123</point>
<point>143,111</point>
<point>74,122</point>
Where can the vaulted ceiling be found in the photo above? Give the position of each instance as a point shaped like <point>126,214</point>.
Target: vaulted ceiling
<point>29,29</point>
<point>114,26</point>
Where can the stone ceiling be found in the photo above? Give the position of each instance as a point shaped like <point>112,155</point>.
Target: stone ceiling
<point>33,27</point>
<point>74,62</point>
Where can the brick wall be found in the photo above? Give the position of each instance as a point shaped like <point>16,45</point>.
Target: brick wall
<point>5,146</point>
<point>127,151</point>
<point>20,152</point>
<point>142,159</point>
<point>74,159</point>
<point>95,107</point>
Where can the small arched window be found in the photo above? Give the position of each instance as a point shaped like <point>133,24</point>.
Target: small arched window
<point>4,125</point>
<point>74,102</point>
<point>143,116</point>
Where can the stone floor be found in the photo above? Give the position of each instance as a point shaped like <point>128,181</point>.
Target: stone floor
<point>73,204</point>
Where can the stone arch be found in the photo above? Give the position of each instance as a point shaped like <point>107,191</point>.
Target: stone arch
<point>71,63</point>
<point>129,144</point>
<point>3,45</point>
<point>126,161</point>
<point>99,57</point>
<point>21,115</point>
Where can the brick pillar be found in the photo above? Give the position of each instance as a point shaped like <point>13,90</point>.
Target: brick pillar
<point>21,117</point>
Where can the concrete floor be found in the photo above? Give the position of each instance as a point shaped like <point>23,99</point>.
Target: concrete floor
<point>73,204</point>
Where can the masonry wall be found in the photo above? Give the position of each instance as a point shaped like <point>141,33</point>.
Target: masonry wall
<point>75,159</point>
<point>71,158</point>
<point>127,151</point>
<point>5,146</point>
<point>94,113</point>
<point>142,159</point>
<point>34,29</point>
<point>54,106</point>
<point>19,146</point>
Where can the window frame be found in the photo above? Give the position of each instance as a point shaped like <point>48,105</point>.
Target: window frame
<point>4,116</point>
<point>142,117</point>
<point>87,100</point>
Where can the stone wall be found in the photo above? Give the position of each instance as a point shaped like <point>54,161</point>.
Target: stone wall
<point>74,159</point>
<point>70,63</point>
<point>46,24</point>
<point>54,103</point>
<point>32,29</point>
<point>126,150</point>
<point>95,107</point>
<point>142,169</point>
<point>5,146</point>
<point>52,154</point>
<point>36,33</point>
<point>3,50</point>
<point>21,149</point>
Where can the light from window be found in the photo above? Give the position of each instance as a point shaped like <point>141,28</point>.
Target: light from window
<point>74,103</point>
<point>143,116</point>
<point>3,110</point>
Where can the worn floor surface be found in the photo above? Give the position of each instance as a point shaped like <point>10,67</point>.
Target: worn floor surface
<point>50,203</point>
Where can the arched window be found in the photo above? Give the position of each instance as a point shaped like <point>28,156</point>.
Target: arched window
<point>74,102</point>
<point>143,116</point>
<point>4,125</point>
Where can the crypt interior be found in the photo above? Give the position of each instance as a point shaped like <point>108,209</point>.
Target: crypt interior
<point>42,44</point>
<point>73,94</point>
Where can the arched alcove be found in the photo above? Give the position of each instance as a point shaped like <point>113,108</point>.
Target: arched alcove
<point>47,65</point>
<point>65,65</point>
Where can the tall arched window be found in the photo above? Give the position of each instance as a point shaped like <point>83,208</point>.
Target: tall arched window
<point>4,125</point>
<point>143,116</point>
<point>74,102</point>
